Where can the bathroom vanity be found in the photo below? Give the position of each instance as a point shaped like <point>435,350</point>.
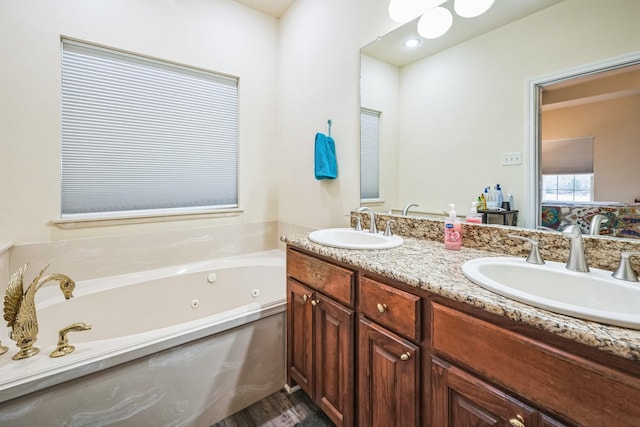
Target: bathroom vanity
<point>401,338</point>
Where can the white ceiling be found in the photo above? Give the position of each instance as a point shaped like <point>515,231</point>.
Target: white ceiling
<point>389,48</point>
<point>275,8</point>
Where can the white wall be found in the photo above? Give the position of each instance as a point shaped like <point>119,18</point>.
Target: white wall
<point>464,106</point>
<point>219,35</point>
<point>320,45</point>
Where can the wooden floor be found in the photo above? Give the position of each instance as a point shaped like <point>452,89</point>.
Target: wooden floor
<point>277,410</point>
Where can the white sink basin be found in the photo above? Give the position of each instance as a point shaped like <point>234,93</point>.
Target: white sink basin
<point>592,296</point>
<point>348,238</point>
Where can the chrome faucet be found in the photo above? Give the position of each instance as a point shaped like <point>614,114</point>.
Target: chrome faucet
<point>405,211</point>
<point>576,261</point>
<point>373,228</point>
<point>596,221</point>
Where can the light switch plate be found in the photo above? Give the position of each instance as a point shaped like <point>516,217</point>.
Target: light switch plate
<point>514,158</point>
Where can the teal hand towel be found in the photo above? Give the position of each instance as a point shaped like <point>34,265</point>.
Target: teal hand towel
<point>326,166</point>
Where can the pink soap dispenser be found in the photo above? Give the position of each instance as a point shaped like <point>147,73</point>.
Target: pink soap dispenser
<point>452,230</point>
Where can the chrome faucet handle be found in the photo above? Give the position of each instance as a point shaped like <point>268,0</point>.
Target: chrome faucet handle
<point>577,260</point>
<point>387,230</point>
<point>358,226</point>
<point>534,254</point>
<point>63,348</point>
<point>624,270</point>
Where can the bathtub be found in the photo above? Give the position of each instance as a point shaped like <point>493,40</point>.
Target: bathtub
<point>182,345</point>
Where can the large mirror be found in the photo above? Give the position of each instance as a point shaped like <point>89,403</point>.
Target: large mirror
<point>462,115</point>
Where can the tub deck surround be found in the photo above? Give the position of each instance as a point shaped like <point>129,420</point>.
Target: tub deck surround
<point>425,264</point>
<point>140,314</point>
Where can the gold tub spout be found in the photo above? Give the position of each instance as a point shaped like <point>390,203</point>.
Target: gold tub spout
<point>64,347</point>
<point>20,308</point>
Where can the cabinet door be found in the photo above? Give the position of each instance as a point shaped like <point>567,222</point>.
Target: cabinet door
<point>462,400</point>
<point>334,359</point>
<point>299,336</point>
<point>389,378</point>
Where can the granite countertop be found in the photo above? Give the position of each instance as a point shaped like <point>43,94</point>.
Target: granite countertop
<point>425,264</point>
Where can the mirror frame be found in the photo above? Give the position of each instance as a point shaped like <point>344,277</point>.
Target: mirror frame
<point>534,90</point>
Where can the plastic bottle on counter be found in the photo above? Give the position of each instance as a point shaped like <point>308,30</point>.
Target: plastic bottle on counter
<point>473,216</point>
<point>452,230</point>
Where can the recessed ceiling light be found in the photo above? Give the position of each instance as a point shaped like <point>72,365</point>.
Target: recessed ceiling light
<point>412,42</point>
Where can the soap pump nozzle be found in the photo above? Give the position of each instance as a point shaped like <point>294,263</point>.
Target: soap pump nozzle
<point>452,210</point>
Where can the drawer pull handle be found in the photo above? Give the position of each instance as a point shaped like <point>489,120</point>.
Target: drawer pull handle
<point>315,302</point>
<point>518,421</point>
<point>405,356</point>
<point>382,307</point>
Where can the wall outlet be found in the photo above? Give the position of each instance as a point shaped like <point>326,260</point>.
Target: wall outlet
<point>511,158</point>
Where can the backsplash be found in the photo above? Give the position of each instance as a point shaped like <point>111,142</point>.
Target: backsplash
<point>622,220</point>
<point>601,252</point>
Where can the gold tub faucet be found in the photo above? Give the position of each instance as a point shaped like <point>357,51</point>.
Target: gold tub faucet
<point>20,308</point>
<point>64,347</point>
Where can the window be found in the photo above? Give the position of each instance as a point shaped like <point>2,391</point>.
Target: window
<point>567,188</point>
<point>141,136</point>
<point>369,148</point>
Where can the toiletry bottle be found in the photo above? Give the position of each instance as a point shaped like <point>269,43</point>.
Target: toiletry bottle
<point>452,231</point>
<point>511,203</point>
<point>482,202</point>
<point>499,194</point>
<point>473,216</point>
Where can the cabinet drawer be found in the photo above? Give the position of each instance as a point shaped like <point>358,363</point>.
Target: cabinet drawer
<point>580,390</point>
<point>391,307</point>
<point>330,279</point>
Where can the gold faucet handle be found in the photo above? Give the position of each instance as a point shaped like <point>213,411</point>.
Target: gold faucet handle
<point>64,347</point>
<point>3,348</point>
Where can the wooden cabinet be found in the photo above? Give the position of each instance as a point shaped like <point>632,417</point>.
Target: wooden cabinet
<point>372,352</point>
<point>389,378</point>
<point>321,335</point>
<point>560,385</point>
<point>334,359</point>
<point>462,400</point>
<point>389,374</point>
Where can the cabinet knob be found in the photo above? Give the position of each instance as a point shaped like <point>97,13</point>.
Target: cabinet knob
<point>315,302</point>
<point>518,421</point>
<point>405,356</point>
<point>305,298</point>
<point>382,307</point>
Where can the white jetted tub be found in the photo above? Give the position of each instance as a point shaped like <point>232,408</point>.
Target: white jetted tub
<point>183,345</point>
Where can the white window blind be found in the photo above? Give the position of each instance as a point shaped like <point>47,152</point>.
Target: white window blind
<point>145,135</point>
<point>369,154</point>
<point>567,156</point>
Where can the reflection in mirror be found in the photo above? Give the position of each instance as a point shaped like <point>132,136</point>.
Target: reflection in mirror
<point>589,145</point>
<point>448,119</point>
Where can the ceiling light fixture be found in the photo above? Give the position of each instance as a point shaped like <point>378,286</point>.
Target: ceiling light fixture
<point>434,19</point>
<point>471,8</point>
<point>412,42</point>
<point>435,23</point>
<point>403,11</point>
